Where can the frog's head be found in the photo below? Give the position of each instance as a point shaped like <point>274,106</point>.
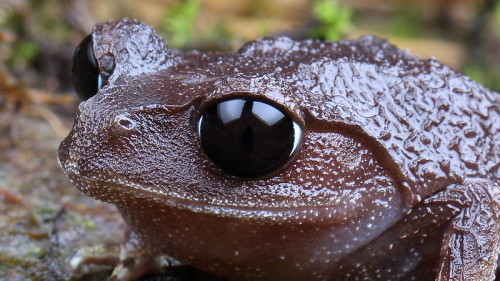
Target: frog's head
<point>223,129</point>
<point>228,135</point>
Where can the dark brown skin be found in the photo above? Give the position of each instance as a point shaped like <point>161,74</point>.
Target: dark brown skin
<point>396,176</point>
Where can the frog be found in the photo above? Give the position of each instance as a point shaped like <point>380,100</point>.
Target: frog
<point>287,159</point>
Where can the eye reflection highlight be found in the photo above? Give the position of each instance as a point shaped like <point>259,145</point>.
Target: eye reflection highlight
<point>248,138</point>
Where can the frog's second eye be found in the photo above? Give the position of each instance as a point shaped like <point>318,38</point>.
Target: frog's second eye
<point>84,70</point>
<point>248,138</point>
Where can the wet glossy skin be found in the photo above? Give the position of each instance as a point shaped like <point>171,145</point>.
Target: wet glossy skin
<point>396,176</point>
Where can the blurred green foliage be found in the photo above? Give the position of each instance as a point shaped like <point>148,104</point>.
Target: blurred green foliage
<point>334,20</point>
<point>78,219</point>
<point>406,23</point>
<point>20,50</point>
<point>218,37</point>
<point>488,76</point>
<point>178,27</point>
<point>33,41</point>
<point>496,20</point>
<point>36,35</point>
<point>482,68</point>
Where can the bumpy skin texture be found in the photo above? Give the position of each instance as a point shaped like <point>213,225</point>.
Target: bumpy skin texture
<point>396,176</point>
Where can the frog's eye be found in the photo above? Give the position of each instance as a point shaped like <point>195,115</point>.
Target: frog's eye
<point>248,138</point>
<point>84,70</point>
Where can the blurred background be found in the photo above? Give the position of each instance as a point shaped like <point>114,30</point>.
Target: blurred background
<point>38,37</point>
<point>42,219</point>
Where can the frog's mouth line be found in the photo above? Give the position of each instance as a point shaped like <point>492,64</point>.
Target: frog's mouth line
<point>106,190</point>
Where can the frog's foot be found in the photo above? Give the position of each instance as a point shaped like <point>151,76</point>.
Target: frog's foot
<point>130,260</point>
<point>102,254</point>
<point>138,259</point>
<point>134,267</point>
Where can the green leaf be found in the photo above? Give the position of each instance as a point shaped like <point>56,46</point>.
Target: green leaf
<point>179,22</point>
<point>334,20</point>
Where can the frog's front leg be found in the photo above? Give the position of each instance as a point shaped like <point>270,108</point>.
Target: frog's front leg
<point>138,258</point>
<point>471,243</point>
<point>469,216</point>
<point>130,260</point>
<point>452,235</point>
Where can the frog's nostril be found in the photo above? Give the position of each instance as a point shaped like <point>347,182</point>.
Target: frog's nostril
<point>125,122</point>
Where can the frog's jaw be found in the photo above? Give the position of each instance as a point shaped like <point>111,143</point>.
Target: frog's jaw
<point>332,178</point>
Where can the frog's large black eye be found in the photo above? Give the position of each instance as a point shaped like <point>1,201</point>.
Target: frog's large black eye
<point>85,71</point>
<point>248,138</point>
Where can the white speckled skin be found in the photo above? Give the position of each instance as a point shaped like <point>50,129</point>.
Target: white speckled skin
<point>396,176</point>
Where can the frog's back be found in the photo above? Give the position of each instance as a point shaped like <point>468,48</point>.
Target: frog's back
<point>435,125</point>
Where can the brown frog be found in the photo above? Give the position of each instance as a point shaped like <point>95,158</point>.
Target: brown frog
<point>288,160</point>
